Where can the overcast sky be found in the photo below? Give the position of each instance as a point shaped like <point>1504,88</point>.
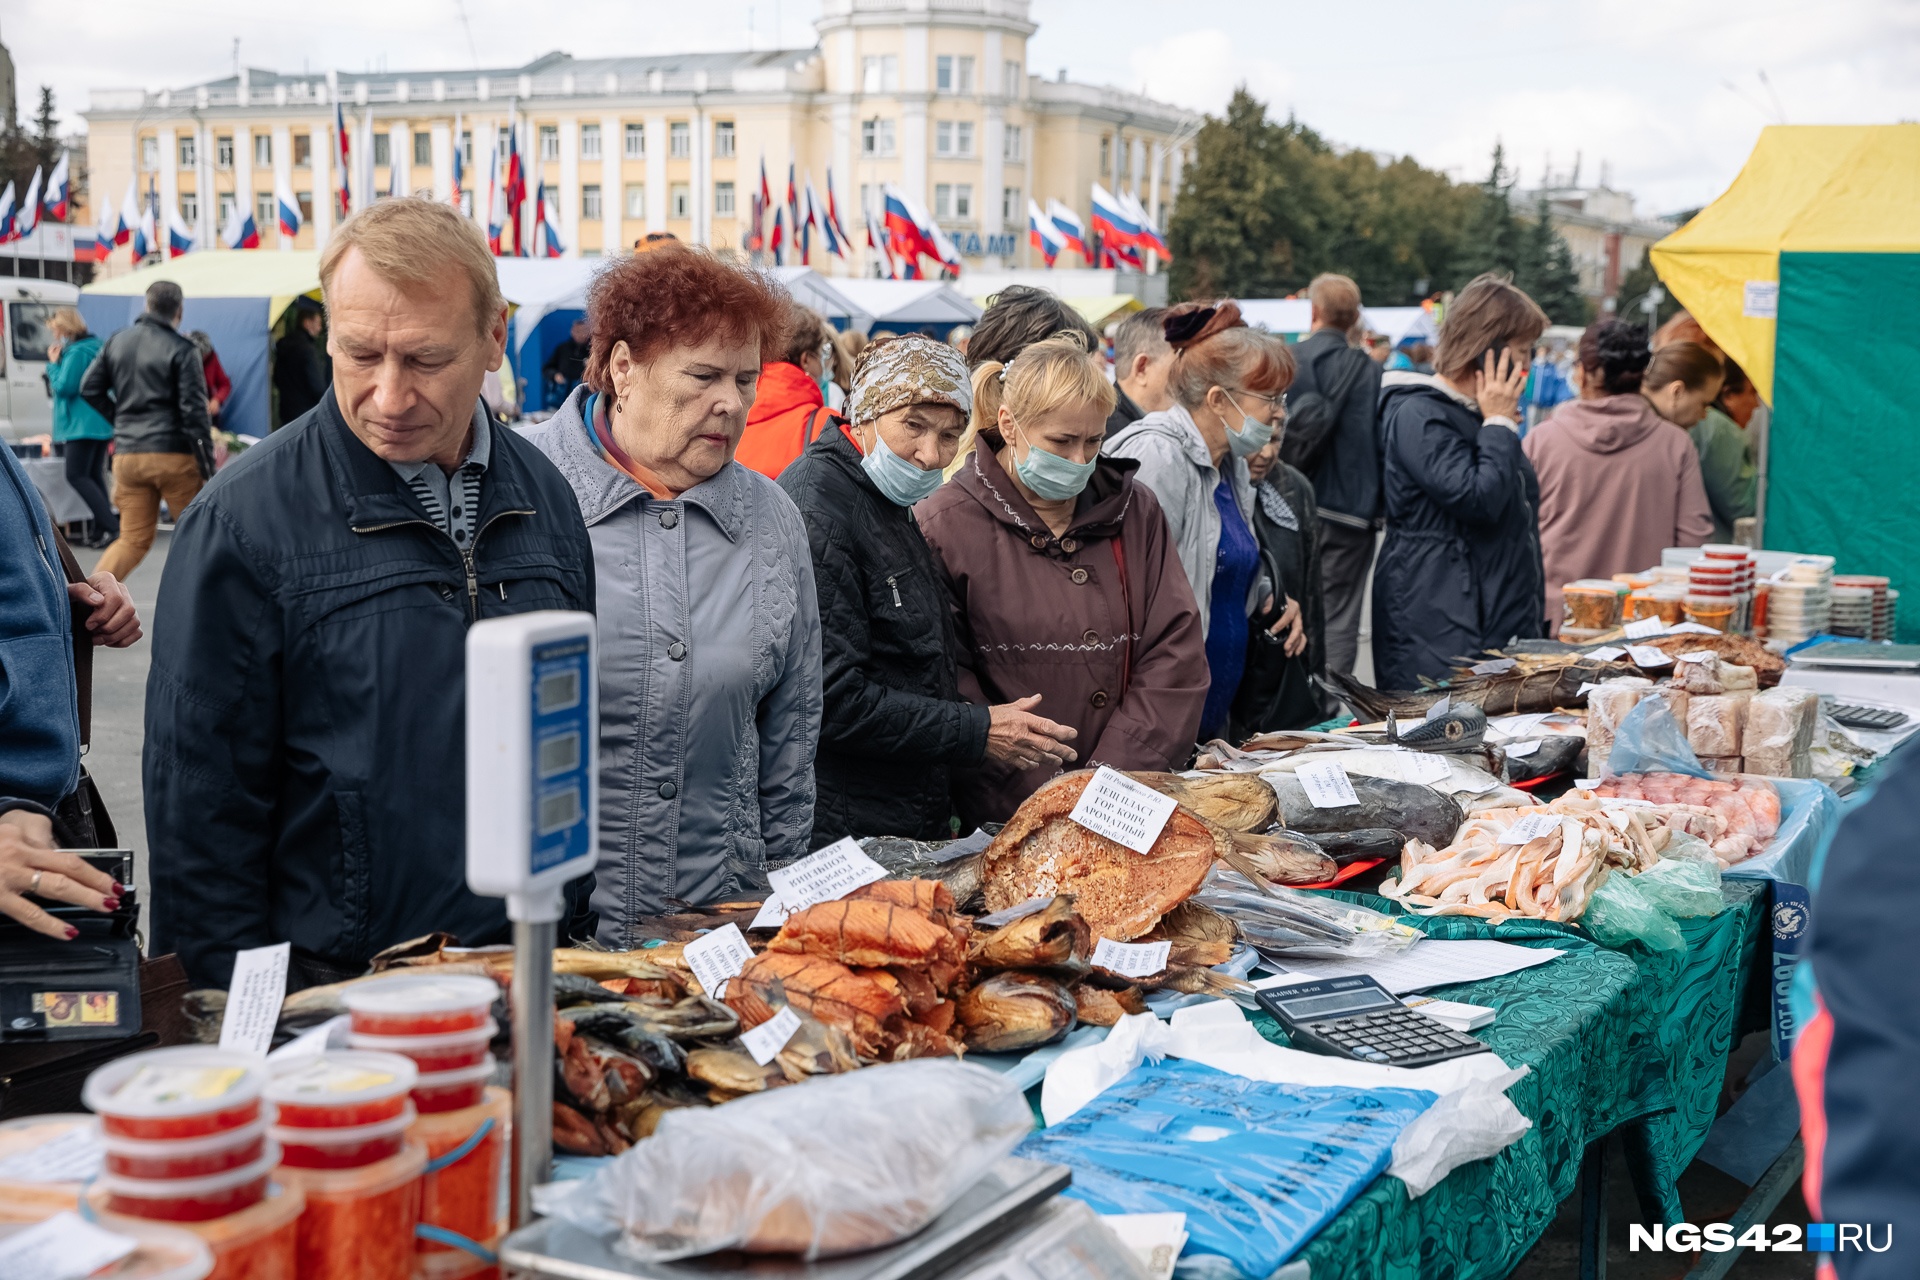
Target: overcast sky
<point>1668,94</point>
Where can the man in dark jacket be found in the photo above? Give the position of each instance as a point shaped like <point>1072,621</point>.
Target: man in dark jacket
<point>1141,358</point>
<point>148,382</point>
<point>306,710</point>
<point>299,375</point>
<point>567,363</point>
<point>1333,410</point>
<point>893,725</point>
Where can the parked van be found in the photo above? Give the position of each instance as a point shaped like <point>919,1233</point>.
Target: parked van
<point>26,407</point>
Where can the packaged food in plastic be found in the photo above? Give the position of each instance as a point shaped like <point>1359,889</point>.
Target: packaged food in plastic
<point>160,1252</point>
<point>185,1157</point>
<point>1618,913</point>
<point>213,1195</point>
<point>422,1004</point>
<point>1288,922</point>
<point>849,1162</point>
<point>340,1088</point>
<point>343,1147</point>
<point>1779,732</point>
<point>464,1190</point>
<point>259,1243</point>
<point>1608,704</point>
<point>185,1092</point>
<point>1683,887</point>
<point>1714,723</point>
<point>359,1222</point>
<point>44,1162</point>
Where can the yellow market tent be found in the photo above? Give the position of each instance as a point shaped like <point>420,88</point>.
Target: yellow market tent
<point>1805,273</point>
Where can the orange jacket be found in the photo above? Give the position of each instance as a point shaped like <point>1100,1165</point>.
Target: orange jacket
<point>787,414</point>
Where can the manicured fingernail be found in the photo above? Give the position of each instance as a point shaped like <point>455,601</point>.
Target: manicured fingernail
<point>72,932</point>
<point>113,904</point>
<point>118,887</point>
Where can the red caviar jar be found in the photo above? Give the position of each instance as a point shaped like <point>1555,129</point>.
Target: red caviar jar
<point>420,1004</point>
<point>340,1089</point>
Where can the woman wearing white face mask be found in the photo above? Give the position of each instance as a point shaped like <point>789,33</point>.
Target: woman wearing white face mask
<point>1063,579</point>
<point>1227,382</point>
<point>894,726</point>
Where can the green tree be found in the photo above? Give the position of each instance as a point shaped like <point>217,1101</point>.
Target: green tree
<point>1545,269</point>
<point>24,149</point>
<point>1491,239</point>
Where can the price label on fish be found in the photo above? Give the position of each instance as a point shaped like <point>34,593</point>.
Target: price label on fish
<point>1606,653</point>
<point>1327,784</point>
<point>833,872</point>
<point>766,1041</point>
<point>1697,655</point>
<point>1645,655</point>
<point>1645,628</point>
<point>1127,812</point>
<point>1001,919</point>
<point>717,956</point>
<point>1531,826</point>
<point>1131,959</point>
<point>1690,629</point>
<point>1493,666</point>
<point>1520,750</point>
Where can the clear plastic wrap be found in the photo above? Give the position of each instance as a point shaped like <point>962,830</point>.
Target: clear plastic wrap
<point>1618,913</point>
<point>849,1162</point>
<point>1289,922</point>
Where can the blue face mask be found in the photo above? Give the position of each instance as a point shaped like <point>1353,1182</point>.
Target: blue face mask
<point>1250,437</point>
<point>1051,476</point>
<point>903,483</point>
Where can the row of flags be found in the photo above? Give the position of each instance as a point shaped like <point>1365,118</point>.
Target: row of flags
<point>1123,231</point>
<point>18,220</point>
<point>795,223</point>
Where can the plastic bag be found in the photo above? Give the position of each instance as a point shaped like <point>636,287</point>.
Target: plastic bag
<point>1683,887</point>
<point>1258,1168</point>
<point>1618,913</point>
<point>844,1163</point>
<point>1649,740</point>
<point>1288,922</point>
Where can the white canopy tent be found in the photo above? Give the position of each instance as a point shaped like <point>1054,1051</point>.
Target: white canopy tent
<point>1295,315</point>
<point>907,303</point>
<point>811,289</point>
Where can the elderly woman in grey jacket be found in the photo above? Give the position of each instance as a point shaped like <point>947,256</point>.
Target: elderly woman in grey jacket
<point>1227,382</point>
<point>709,622</point>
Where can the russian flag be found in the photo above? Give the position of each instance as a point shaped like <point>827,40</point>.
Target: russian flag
<point>838,241</point>
<point>143,236</point>
<point>1072,235</point>
<point>1111,221</point>
<point>179,238</point>
<point>129,216</point>
<point>56,200</point>
<point>1150,237</point>
<point>516,190</point>
<point>459,168</point>
<point>877,242</point>
<point>28,217</point>
<point>103,238</point>
<point>342,150</point>
<point>7,216</point>
<point>289,211</point>
<point>240,231</point>
<point>1042,234</point>
<point>779,241</point>
<point>546,236</point>
<point>793,204</point>
<point>914,235</point>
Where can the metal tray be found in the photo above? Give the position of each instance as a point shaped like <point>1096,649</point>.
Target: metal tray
<point>988,1209</point>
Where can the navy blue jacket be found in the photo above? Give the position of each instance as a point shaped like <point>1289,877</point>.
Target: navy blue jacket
<point>1460,567</point>
<point>39,706</point>
<point>305,751</point>
<point>1346,479</point>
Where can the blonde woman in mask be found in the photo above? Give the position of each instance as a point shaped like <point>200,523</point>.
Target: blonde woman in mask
<point>1227,383</point>
<point>1063,579</point>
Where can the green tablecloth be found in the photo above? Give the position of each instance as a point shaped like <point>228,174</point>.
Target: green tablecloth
<point>1614,1038</point>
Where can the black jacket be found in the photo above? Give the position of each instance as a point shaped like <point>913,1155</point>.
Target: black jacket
<point>148,382</point>
<point>1125,413</point>
<point>298,373</point>
<point>1278,692</point>
<point>893,724</point>
<point>1346,478</point>
<point>1460,568</point>
<point>305,748</point>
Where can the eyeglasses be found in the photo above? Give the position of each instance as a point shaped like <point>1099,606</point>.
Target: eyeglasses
<point>1277,400</point>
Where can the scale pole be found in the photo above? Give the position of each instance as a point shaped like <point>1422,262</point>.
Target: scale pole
<point>533,942</point>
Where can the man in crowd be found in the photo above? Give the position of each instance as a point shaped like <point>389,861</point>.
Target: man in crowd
<point>305,720</point>
<point>1333,415</point>
<point>298,373</point>
<point>1140,359</point>
<point>148,383</point>
<point>567,363</point>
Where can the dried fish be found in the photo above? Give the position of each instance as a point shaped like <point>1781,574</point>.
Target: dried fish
<point>733,1070</point>
<point>1415,811</point>
<point>1229,800</point>
<point>623,1028</point>
<point>571,988</point>
<point>1554,681</point>
<point>1008,1012</point>
<point>1283,856</point>
<point>1054,937</point>
<point>1200,935</point>
<point>1100,1007</point>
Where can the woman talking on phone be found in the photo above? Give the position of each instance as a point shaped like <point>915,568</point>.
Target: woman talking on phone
<point>1460,568</point>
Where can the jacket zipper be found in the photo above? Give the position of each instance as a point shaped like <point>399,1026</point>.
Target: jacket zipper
<point>896,592</point>
<point>466,554</point>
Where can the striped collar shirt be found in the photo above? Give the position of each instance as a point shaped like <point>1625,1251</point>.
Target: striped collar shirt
<point>453,502</point>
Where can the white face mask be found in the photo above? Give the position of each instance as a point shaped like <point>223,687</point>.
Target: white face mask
<point>1250,437</point>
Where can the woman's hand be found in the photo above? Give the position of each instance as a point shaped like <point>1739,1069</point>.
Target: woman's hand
<point>1497,388</point>
<point>54,349</point>
<point>1292,622</point>
<point>113,621</point>
<point>30,865</point>
<point>1017,737</point>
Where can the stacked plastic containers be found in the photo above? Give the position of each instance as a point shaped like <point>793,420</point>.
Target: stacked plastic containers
<point>342,1119</point>
<point>185,1141</point>
<point>1799,601</point>
<point>443,1025</point>
<point>1720,587</point>
<point>1591,608</point>
<point>1851,591</point>
<point>45,1161</point>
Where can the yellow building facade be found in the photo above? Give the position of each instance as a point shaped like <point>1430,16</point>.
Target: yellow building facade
<point>932,96</point>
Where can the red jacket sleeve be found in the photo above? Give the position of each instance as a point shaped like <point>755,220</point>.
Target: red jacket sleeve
<point>219,387</point>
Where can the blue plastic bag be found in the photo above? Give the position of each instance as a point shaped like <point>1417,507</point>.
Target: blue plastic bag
<point>1258,1168</point>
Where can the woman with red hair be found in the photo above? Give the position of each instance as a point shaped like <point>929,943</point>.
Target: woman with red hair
<point>709,622</point>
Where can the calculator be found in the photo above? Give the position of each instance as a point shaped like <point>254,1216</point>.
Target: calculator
<point>1357,1018</point>
<point>1866,717</point>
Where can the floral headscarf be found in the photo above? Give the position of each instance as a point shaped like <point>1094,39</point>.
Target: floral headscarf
<point>910,369</point>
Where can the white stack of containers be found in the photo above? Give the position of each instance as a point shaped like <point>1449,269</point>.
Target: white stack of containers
<point>1799,601</point>
<point>1878,594</point>
<point>442,1023</point>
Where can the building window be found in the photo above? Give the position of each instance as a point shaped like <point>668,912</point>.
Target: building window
<point>590,202</point>
<point>149,153</point>
<point>723,140</point>
<point>953,200</point>
<point>506,141</point>
<point>549,142</point>
<point>636,145</point>
<point>189,207</point>
<point>264,214</point>
<point>679,139</point>
<point>636,199</point>
<point>466,148</point>
<point>589,142</point>
<point>262,150</point>
<point>953,138</point>
<point>383,148</point>
<point>305,200</point>
<point>723,199</point>
<point>223,151</point>
<point>876,137</point>
<point>953,74</point>
<point>422,148</point>
<point>1015,86</point>
<point>224,203</point>
<point>303,151</point>
<point>1010,204</point>
<point>679,201</point>
<point>880,73</point>
<point>1106,156</point>
<point>189,153</point>
<point>1010,143</point>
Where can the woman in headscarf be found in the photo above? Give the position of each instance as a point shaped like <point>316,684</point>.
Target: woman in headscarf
<point>893,725</point>
<point>709,623</point>
<point>1063,579</point>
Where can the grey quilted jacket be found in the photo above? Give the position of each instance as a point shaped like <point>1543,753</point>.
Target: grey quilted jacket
<point>709,678</point>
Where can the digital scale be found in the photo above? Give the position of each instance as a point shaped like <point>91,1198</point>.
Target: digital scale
<point>1357,1018</point>
<point>533,739</point>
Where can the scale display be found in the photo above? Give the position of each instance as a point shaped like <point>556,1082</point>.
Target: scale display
<point>560,760</point>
